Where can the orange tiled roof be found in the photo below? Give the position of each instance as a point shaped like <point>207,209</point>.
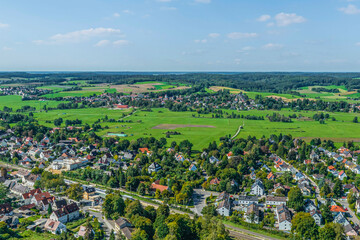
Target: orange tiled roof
<point>335,208</point>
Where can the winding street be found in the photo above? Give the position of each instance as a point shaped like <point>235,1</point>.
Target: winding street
<point>236,233</point>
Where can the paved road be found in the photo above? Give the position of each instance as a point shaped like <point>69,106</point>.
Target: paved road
<point>234,232</point>
<point>199,199</point>
<point>106,225</point>
<point>344,202</point>
<point>352,217</point>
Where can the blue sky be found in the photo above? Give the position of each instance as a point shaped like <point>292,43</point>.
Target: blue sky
<point>180,35</point>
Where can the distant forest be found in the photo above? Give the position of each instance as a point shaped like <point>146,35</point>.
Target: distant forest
<point>263,82</point>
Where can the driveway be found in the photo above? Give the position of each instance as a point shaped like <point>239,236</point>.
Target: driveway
<point>199,198</point>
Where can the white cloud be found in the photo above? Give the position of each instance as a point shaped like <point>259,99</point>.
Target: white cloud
<point>127,11</point>
<point>200,41</point>
<point>239,35</point>
<point>214,35</point>
<point>264,18</point>
<point>357,44</point>
<point>245,49</point>
<point>285,19</point>
<point>79,36</point>
<point>7,48</point>
<point>271,46</point>
<point>4,25</point>
<point>102,43</point>
<point>116,15</point>
<point>203,1</point>
<point>168,8</point>
<point>194,53</point>
<point>121,42</point>
<point>237,61</point>
<point>350,9</point>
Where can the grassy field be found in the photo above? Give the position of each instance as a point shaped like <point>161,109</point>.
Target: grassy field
<point>305,91</point>
<point>211,129</point>
<point>85,92</point>
<point>342,95</point>
<point>14,102</point>
<point>253,94</point>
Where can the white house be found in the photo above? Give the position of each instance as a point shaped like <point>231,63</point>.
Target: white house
<point>154,167</point>
<point>213,160</point>
<point>245,200</point>
<point>316,216</point>
<point>284,218</point>
<point>55,227</point>
<point>66,214</point>
<point>275,201</point>
<point>257,188</point>
<point>342,175</point>
<point>224,208</point>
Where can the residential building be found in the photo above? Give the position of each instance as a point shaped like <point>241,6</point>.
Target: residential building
<point>257,188</point>
<point>55,227</point>
<point>224,207</point>
<point>252,214</point>
<point>66,213</point>
<point>284,218</point>
<point>275,201</point>
<point>245,200</point>
<point>154,167</point>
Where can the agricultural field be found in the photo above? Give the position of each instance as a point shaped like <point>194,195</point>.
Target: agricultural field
<point>15,102</point>
<point>342,95</point>
<point>285,97</point>
<point>141,87</point>
<point>201,131</point>
<point>85,92</point>
<point>307,92</point>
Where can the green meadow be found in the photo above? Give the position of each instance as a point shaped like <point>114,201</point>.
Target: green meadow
<point>143,123</point>
<point>159,85</point>
<point>85,92</point>
<point>15,102</point>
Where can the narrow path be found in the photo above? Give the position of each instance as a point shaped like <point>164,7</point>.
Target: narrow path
<point>238,131</point>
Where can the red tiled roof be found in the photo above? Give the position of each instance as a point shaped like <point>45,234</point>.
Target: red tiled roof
<point>335,208</point>
<point>41,196</point>
<point>31,193</point>
<point>159,187</point>
<point>214,181</point>
<point>143,150</point>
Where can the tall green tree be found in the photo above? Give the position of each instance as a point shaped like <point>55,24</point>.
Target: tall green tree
<point>332,231</point>
<point>296,199</point>
<point>304,226</point>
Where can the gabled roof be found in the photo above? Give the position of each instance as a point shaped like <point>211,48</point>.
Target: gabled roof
<point>335,208</point>
<point>41,196</point>
<point>52,225</point>
<point>60,203</point>
<point>31,193</point>
<point>73,207</point>
<point>159,187</point>
<point>214,181</point>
